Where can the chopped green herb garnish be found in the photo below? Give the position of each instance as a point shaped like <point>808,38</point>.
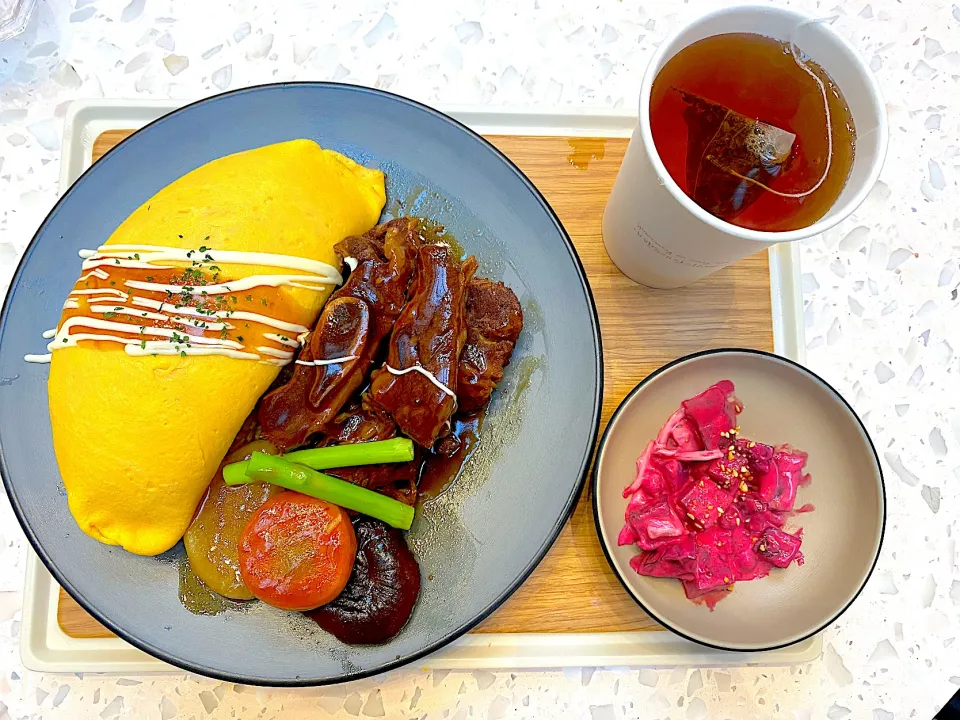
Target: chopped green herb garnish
<point>264,301</point>
<point>240,338</point>
<point>108,315</point>
<point>112,282</point>
<point>137,255</point>
<point>149,278</point>
<point>143,344</point>
<point>183,353</point>
<point>249,298</point>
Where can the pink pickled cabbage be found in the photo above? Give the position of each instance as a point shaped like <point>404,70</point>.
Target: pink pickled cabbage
<point>656,525</point>
<point>713,412</point>
<point>707,507</point>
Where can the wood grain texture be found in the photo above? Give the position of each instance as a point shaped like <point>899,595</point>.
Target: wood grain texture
<point>573,589</point>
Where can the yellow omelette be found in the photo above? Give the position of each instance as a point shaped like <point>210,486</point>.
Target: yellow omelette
<point>182,320</point>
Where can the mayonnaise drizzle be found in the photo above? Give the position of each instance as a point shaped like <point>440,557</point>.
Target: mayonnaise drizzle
<point>202,324</point>
<point>99,291</point>
<point>42,359</point>
<point>426,373</point>
<point>66,339</point>
<point>282,339</point>
<point>193,322</point>
<point>286,354</point>
<point>97,262</point>
<point>94,273</point>
<point>151,253</point>
<point>321,363</point>
<point>165,348</point>
<point>233,315</point>
<point>351,263</point>
<point>235,286</point>
<point>120,310</point>
<point>307,274</point>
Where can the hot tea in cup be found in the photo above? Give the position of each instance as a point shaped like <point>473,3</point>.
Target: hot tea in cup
<point>757,125</point>
<point>752,130</point>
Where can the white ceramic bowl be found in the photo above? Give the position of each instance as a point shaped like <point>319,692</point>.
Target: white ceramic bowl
<point>783,403</point>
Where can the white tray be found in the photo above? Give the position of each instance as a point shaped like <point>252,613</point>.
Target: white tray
<point>44,646</point>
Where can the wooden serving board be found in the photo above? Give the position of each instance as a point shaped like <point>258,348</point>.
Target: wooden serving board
<point>574,589</point>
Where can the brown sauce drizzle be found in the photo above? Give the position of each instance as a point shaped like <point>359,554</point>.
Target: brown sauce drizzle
<point>443,464</point>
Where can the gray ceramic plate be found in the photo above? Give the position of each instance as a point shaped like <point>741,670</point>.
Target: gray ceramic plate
<point>784,403</point>
<point>477,542</point>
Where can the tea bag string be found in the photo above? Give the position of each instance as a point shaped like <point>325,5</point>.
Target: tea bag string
<point>795,52</point>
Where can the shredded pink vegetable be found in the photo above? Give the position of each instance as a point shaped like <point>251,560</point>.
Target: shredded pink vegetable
<point>707,506</point>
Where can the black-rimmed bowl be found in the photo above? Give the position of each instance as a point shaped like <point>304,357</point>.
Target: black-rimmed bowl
<point>480,540</point>
<point>784,403</point>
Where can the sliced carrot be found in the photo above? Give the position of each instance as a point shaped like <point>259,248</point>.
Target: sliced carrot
<point>297,552</point>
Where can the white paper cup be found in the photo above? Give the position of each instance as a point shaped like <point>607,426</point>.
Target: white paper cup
<point>660,237</point>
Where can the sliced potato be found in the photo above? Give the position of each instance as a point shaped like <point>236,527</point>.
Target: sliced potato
<point>212,538</point>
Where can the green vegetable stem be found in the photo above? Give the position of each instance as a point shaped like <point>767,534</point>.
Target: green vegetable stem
<point>280,471</point>
<point>368,453</point>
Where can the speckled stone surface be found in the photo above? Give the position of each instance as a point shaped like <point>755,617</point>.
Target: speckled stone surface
<point>880,291</point>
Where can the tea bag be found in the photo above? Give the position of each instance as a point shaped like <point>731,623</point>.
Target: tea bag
<point>731,158</point>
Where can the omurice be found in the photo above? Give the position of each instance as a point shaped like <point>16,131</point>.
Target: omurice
<point>257,364</point>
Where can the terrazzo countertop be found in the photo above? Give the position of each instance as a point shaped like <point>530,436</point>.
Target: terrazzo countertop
<point>881,313</point>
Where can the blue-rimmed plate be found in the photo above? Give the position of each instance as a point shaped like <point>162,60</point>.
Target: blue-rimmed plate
<point>479,540</point>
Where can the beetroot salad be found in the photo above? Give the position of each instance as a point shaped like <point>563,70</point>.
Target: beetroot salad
<point>708,506</point>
